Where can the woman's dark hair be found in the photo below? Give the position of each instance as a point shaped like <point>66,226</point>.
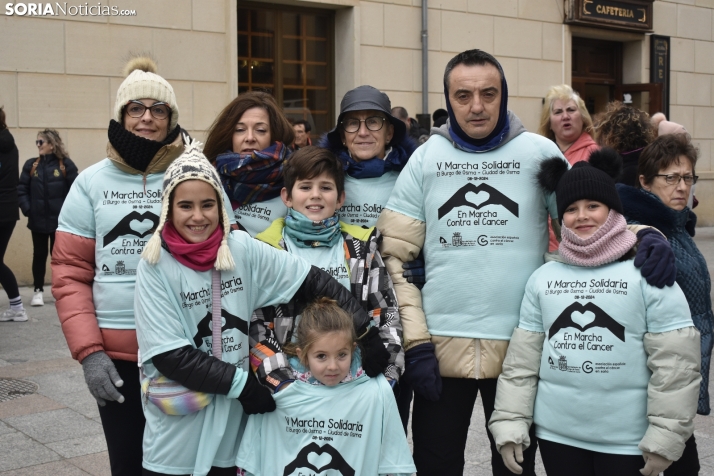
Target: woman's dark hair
<point>624,128</point>
<point>3,125</point>
<point>310,162</point>
<point>663,152</point>
<point>220,134</point>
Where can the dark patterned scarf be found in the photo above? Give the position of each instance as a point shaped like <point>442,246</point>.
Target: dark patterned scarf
<point>252,178</point>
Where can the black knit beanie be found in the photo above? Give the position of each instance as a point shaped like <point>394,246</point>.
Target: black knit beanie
<point>592,180</point>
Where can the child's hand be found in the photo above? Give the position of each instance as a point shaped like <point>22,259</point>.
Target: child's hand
<point>512,454</point>
<point>654,464</point>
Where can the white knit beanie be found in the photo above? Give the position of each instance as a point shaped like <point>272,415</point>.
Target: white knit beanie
<point>143,82</point>
<point>191,165</point>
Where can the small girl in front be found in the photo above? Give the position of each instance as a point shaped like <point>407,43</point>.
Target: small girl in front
<point>333,419</point>
<point>605,365</point>
<point>196,289</point>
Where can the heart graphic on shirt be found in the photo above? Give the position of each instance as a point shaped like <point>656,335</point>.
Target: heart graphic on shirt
<point>141,227</point>
<point>477,198</point>
<point>582,318</point>
<point>319,460</point>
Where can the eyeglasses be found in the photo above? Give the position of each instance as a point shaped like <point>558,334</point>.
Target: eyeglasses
<point>373,123</point>
<point>673,179</point>
<point>159,110</point>
<point>39,142</point>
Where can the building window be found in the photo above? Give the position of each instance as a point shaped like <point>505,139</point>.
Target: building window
<point>289,54</point>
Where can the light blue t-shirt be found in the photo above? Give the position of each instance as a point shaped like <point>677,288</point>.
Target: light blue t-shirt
<point>365,198</point>
<point>119,211</point>
<point>173,309</point>
<point>256,217</point>
<point>592,392</point>
<point>352,428</point>
<point>486,230</point>
<point>329,259</point>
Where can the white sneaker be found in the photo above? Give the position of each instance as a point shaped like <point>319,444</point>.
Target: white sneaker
<point>37,299</point>
<point>10,315</point>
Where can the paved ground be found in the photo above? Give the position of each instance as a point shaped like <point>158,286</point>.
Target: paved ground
<point>57,431</point>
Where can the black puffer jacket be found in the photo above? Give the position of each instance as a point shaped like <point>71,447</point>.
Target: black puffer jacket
<point>8,177</point>
<point>42,195</point>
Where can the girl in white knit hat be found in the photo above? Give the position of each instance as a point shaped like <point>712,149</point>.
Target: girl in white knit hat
<point>103,227</point>
<point>195,293</point>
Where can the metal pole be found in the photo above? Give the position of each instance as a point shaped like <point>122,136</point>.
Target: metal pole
<point>425,117</point>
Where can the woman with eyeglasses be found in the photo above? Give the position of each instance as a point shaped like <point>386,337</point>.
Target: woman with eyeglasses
<point>44,184</point>
<point>374,147</point>
<point>666,173</point>
<point>103,227</point>
<point>248,144</point>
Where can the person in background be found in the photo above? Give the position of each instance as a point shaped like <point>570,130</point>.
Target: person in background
<point>414,130</point>
<point>248,144</point>
<point>374,147</point>
<point>302,134</point>
<point>102,230</point>
<point>44,184</point>
<point>666,174</point>
<point>456,330</point>
<point>566,121</point>
<point>594,418</point>
<point>330,385</point>
<point>9,215</point>
<point>439,117</point>
<point>627,130</point>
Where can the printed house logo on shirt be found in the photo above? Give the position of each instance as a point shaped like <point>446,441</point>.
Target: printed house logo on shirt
<point>584,317</point>
<point>317,459</point>
<point>477,196</point>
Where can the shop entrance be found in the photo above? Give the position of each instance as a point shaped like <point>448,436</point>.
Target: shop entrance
<point>597,77</point>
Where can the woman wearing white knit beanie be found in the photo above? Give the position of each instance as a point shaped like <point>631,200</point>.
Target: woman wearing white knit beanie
<point>106,220</point>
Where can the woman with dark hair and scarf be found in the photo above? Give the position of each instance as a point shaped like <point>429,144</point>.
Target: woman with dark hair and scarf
<point>103,226</point>
<point>374,147</point>
<point>248,144</point>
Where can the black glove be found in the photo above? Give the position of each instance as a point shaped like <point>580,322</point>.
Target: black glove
<point>255,398</point>
<point>375,356</point>
<point>656,258</point>
<point>422,371</point>
<point>415,271</point>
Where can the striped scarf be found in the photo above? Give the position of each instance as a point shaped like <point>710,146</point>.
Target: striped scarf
<point>252,178</point>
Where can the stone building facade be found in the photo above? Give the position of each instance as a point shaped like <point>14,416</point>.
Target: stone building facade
<point>62,70</point>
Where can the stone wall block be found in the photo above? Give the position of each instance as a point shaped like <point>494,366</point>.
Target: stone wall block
<point>103,50</point>
<point>536,77</point>
<point>694,22</point>
<point>8,98</point>
<point>209,99</point>
<point>396,68</point>
<point>693,89</point>
<point>434,30</point>
<point>25,50</point>
<point>526,44</point>
<point>703,123</point>
<point>437,64</point>
<point>504,8</point>
<point>183,55</point>
<point>86,147</point>
<point>704,57</point>
<point>682,57</point>
<point>528,111</point>
<point>663,15</point>
<point>372,24</point>
<point>402,27</point>
<point>51,100</point>
<point>465,31</point>
<point>453,5</point>
<point>683,115</point>
<point>209,15</point>
<point>541,10</point>
<point>552,41</point>
<point>184,92</point>
<point>175,14</point>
